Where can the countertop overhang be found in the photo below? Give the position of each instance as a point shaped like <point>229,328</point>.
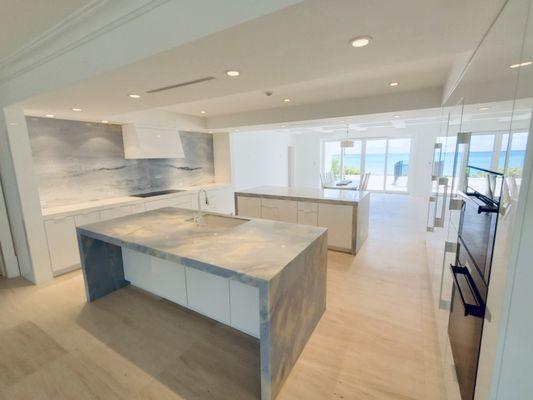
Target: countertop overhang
<point>254,252</point>
<point>335,196</point>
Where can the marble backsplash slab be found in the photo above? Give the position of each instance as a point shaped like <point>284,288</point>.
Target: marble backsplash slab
<point>78,161</point>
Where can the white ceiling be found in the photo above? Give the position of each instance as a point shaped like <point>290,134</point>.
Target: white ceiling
<point>21,21</point>
<point>474,117</point>
<point>301,52</point>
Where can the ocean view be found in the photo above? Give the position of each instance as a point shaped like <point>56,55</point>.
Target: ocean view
<point>374,162</point>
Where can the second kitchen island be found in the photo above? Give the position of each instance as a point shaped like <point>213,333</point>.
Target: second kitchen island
<point>344,212</point>
<point>264,278</point>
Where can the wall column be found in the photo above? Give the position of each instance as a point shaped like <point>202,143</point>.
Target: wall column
<point>22,196</point>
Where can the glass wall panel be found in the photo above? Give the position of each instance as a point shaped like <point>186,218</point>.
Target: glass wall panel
<point>398,164</point>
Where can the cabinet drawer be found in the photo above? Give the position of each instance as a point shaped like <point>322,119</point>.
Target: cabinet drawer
<point>208,294</point>
<point>307,213</point>
<point>307,206</point>
<point>62,243</point>
<point>279,210</point>
<point>249,206</point>
<point>88,218</point>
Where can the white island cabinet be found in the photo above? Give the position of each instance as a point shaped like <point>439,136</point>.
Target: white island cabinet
<point>343,212</point>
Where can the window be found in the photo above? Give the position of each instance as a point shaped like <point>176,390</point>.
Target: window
<point>387,161</point>
<point>491,150</point>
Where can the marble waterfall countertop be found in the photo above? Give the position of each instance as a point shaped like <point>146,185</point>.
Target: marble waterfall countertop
<point>337,196</point>
<point>287,263</point>
<point>256,250</point>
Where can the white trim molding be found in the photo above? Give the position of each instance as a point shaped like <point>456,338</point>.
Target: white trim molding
<point>75,30</point>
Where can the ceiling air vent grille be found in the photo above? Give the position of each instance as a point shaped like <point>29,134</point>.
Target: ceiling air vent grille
<point>182,84</point>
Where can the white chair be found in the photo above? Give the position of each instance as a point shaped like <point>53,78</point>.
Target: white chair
<point>327,179</point>
<point>364,181</point>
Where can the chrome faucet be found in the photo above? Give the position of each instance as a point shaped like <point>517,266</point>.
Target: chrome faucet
<point>200,216</point>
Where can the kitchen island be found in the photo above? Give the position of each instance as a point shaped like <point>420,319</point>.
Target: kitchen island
<point>265,278</point>
<point>344,212</point>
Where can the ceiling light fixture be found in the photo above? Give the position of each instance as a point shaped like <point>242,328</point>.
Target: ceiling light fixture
<point>232,73</point>
<point>361,41</point>
<point>523,64</point>
<point>287,100</point>
<point>393,84</point>
<point>484,108</point>
<point>105,121</point>
<point>49,115</point>
<point>203,112</point>
<point>76,109</point>
<point>396,116</point>
<point>134,96</point>
<point>210,131</point>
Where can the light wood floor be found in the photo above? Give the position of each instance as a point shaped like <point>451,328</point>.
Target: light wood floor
<point>377,339</point>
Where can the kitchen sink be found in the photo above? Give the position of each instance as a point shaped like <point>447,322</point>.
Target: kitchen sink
<point>218,221</point>
<point>159,193</point>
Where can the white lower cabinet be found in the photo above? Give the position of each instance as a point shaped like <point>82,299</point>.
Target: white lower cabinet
<point>62,244</point>
<point>231,302</point>
<point>279,210</point>
<point>244,306</point>
<point>338,219</point>
<point>155,275</point>
<point>249,206</point>
<point>307,213</point>
<point>208,294</point>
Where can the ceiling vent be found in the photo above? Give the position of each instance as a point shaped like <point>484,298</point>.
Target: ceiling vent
<point>182,84</point>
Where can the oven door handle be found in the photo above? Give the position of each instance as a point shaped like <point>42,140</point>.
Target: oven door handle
<point>477,309</point>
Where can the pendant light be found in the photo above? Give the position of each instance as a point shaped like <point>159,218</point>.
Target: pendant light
<point>347,143</point>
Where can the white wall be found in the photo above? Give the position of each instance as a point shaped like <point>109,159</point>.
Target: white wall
<point>308,154</point>
<point>259,158</point>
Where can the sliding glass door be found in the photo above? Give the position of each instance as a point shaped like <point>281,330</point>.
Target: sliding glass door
<point>398,154</point>
<point>385,160</point>
<point>375,161</point>
<point>351,165</point>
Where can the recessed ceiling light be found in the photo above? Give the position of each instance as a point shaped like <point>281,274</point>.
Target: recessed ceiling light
<point>361,41</point>
<point>287,100</point>
<point>76,109</point>
<point>134,96</point>
<point>203,112</point>
<point>236,130</point>
<point>396,116</point>
<point>210,131</point>
<point>393,84</point>
<point>484,108</point>
<point>49,115</point>
<point>233,73</point>
<point>283,126</point>
<point>524,64</point>
<point>105,121</point>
